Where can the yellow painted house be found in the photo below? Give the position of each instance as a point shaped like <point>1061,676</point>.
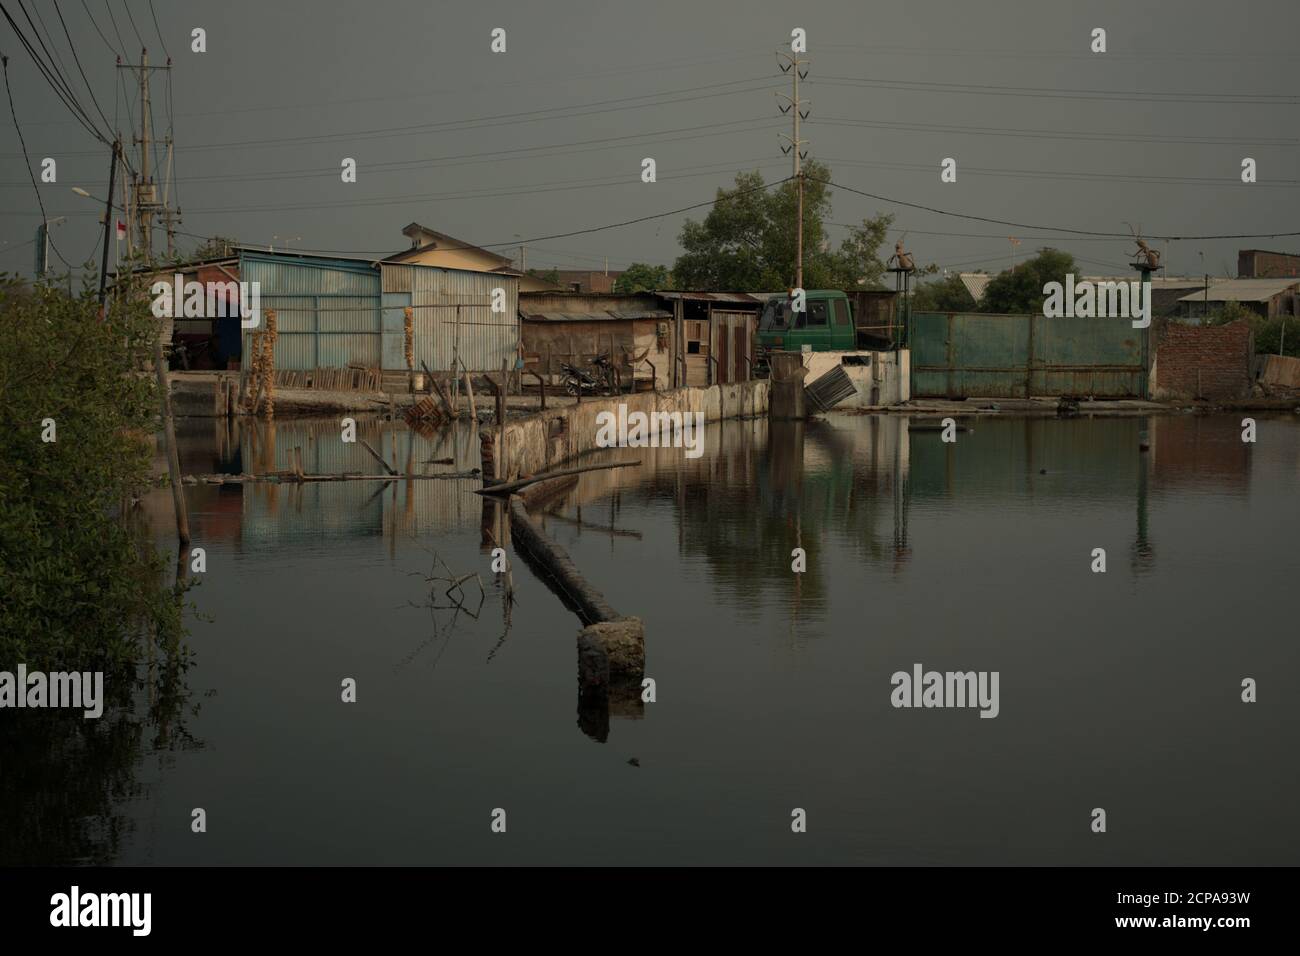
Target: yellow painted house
<point>432,248</point>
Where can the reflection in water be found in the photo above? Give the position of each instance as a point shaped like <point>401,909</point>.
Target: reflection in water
<point>68,782</point>
<point>773,686</point>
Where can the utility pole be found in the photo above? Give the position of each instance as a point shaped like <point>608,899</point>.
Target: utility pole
<point>791,64</point>
<point>109,227</point>
<point>1014,242</point>
<point>144,202</point>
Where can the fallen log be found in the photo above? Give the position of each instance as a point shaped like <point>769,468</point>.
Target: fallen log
<point>547,491</point>
<point>506,487</point>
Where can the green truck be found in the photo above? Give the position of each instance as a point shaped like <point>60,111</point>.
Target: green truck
<point>834,321</point>
<point>825,326</point>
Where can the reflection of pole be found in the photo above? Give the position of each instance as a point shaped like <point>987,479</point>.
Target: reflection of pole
<point>1142,546</point>
<point>169,435</point>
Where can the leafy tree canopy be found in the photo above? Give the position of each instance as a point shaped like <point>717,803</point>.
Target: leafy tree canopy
<point>1020,291</point>
<point>748,242</point>
<point>639,277</point>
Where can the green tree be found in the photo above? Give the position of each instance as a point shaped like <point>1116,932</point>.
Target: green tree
<point>943,295</point>
<point>748,241</point>
<point>546,275</point>
<point>215,247</point>
<point>79,585</point>
<point>1020,291</point>
<point>639,277</point>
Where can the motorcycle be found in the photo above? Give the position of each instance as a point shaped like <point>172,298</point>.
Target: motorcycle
<point>598,378</point>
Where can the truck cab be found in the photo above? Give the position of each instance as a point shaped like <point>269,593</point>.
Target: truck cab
<point>825,326</point>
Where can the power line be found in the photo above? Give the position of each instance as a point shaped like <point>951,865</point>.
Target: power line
<point>158,30</point>
<point>1054,134</point>
<point>1078,176</point>
<point>51,74</point>
<point>1135,96</point>
<point>133,26</point>
<point>499,155</point>
<point>4,62</point>
<point>1021,225</point>
<point>503,119</point>
<point>564,235</point>
<point>483,193</point>
<point>109,7</point>
<point>91,18</point>
<point>76,59</point>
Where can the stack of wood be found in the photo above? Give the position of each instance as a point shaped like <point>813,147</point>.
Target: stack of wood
<point>263,367</point>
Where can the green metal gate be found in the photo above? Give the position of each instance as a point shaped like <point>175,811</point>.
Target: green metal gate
<point>965,355</point>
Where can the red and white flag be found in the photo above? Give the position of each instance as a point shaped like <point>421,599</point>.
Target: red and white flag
<point>121,230</point>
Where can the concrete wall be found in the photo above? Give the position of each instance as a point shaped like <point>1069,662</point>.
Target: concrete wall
<point>1196,361</point>
<point>545,439</point>
<point>882,376</point>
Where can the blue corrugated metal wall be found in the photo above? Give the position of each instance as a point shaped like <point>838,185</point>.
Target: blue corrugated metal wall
<point>327,310</point>
<point>331,313</point>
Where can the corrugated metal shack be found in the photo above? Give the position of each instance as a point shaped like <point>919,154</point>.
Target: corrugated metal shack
<point>574,327</point>
<point>453,315</point>
<point>335,312</point>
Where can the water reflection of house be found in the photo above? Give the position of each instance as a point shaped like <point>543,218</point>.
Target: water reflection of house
<point>1198,451</point>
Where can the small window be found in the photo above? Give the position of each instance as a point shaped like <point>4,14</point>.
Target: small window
<point>692,348</point>
<point>841,312</point>
<point>818,314</point>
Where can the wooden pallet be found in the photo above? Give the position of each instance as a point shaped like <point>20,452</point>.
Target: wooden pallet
<point>350,379</point>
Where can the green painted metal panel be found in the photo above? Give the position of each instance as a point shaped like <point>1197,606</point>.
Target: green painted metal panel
<point>964,355</point>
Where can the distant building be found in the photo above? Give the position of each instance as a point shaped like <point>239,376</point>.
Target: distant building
<point>432,248</point>
<point>1258,264</point>
<point>1264,297</point>
<point>576,280</point>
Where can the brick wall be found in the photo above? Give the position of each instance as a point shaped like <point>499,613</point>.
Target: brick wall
<point>1257,264</point>
<point>1211,362</point>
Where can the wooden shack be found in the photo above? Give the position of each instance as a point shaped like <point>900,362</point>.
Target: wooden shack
<point>714,335</point>
<point>573,328</point>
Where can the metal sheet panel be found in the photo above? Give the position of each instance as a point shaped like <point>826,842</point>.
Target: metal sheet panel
<point>327,310</point>
<point>454,317</point>
<point>963,355</point>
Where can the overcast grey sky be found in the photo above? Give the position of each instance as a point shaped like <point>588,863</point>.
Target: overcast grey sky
<point>287,89</point>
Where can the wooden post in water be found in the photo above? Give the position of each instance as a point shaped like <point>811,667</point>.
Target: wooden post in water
<point>469,392</point>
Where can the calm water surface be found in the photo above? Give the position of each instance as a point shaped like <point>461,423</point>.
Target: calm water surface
<point>1118,690</point>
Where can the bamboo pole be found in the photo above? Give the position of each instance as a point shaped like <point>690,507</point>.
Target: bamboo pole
<point>469,391</point>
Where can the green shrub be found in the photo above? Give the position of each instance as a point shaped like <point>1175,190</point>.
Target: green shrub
<point>79,584</point>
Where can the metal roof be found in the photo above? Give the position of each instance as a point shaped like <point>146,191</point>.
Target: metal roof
<point>745,297</point>
<point>602,316</point>
<point>975,283</point>
<point>1241,290</point>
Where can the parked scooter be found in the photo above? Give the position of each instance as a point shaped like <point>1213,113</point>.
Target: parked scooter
<point>598,378</point>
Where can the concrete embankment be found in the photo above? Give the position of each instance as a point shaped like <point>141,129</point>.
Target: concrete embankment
<point>535,443</point>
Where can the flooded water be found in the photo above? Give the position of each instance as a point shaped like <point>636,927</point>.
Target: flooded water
<point>1118,690</point>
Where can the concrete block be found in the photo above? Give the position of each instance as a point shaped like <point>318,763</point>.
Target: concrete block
<point>623,642</point>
